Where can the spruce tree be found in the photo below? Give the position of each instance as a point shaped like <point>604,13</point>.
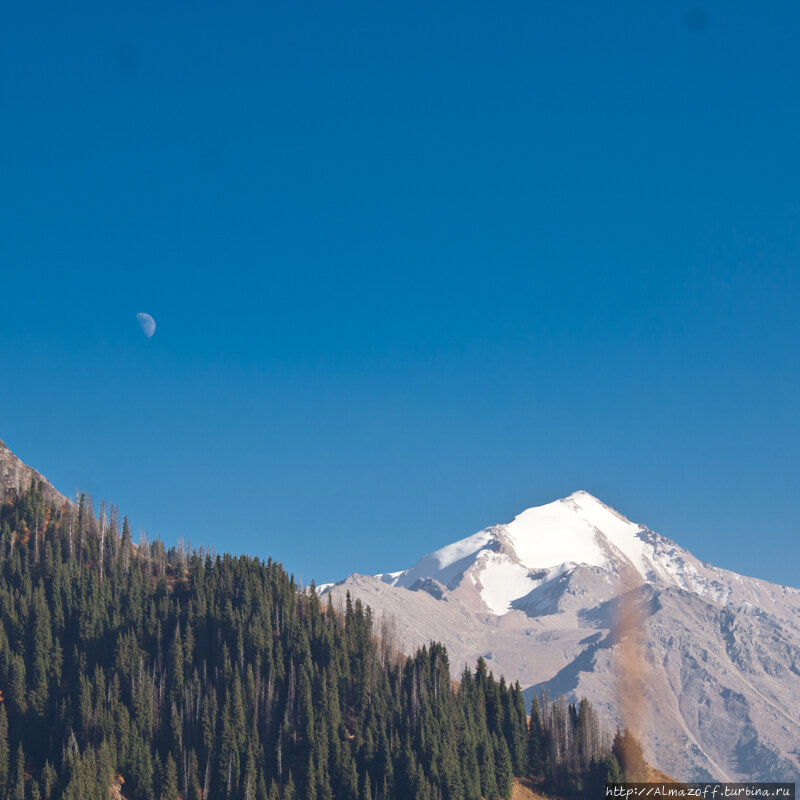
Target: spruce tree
<point>18,779</point>
<point>535,740</point>
<point>5,760</point>
<point>503,767</point>
<point>169,783</point>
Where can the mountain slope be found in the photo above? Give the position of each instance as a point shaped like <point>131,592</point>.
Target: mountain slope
<point>575,598</point>
<point>17,477</point>
<point>167,674</point>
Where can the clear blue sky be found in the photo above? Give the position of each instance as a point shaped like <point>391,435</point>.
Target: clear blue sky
<point>414,267</point>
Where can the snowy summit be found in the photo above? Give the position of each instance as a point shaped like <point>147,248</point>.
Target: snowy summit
<point>506,563</point>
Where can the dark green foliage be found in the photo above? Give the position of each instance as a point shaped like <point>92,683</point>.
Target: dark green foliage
<point>603,771</point>
<point>535,740</point>
<point>5,760</point>
<point>16,786</point>
<point>169,783</point>
<point>219,678</point>
<point>572,754</point>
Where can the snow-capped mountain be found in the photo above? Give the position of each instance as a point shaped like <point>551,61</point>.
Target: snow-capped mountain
<point>573,597</point>
<point>508,563</point>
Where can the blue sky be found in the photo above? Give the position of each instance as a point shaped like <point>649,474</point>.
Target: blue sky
<point>413,269</point>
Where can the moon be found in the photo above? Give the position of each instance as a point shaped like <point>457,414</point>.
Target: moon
<point>146,323</point>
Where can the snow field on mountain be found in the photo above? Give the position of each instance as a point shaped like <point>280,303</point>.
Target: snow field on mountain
<point>621,532</point>
<point>549,535</point>
<point>575,530</point>
<point>446,564</point>
<point>503,581</point>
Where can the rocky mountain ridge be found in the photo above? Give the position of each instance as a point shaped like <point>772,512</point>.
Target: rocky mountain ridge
<point>574,598</point>
<point>16,477</point>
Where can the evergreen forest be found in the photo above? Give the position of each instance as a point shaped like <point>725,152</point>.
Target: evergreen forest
<point>132,671</point>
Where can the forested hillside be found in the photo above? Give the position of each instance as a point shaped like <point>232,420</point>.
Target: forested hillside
<point>173,674</point>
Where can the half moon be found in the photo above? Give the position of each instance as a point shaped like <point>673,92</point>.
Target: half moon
<point>146,323</point>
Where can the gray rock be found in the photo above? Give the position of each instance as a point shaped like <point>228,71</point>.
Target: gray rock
<point>16,477</point>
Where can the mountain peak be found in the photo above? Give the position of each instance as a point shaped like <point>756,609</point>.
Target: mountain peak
<point>575,529</point>
<point>582,493</point>
<point>506,562</point>
<point>584,500</point>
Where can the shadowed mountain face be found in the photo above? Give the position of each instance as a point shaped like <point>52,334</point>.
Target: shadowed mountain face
<point>16,477</point>
<point>703,664</point>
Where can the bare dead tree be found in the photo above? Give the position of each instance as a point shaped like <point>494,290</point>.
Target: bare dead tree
<point>102,535</point>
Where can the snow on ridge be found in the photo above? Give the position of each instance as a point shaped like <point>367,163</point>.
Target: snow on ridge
<point>567,530</point>
<point>499,559</point>
<point>390,577</point>
<point>447,563</point>
<point>507,562</point>
<point>504,561</point>
<point>548,535</point>
<point>619,530</point>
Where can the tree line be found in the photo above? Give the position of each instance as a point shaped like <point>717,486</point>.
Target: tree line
<point>164,674</point>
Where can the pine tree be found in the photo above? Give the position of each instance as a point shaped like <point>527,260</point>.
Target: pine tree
<point>195,790</point>
<point>535,740</point>
<point>289,791</point>
<point>18,780</point>
<point>16,689</point>
<point>4,748</point>
<point>169,783</point>
<point>488,773</point>
<point>503,767</point>
<point>48,781</point>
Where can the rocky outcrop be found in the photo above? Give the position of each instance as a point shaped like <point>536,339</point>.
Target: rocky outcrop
<point>16,477</point>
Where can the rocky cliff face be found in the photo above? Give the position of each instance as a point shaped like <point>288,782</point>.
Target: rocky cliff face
<point>572,597</point>
<point>16,477</point>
